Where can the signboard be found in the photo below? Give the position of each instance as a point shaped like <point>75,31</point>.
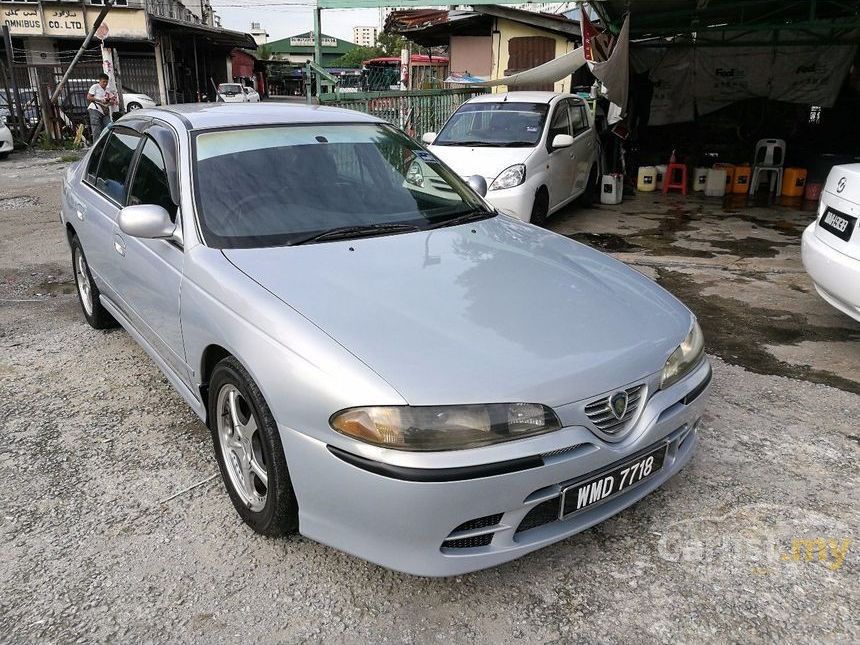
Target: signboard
<point>64,21</point>
<point>22,20</point>
<point>326,41</point>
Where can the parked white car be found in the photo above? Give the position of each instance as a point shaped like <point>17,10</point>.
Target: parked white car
<point>831,244</point>
<point>237,93</point>
<point>135,101</point>
<point>537,151</point>
<point>5,141</point>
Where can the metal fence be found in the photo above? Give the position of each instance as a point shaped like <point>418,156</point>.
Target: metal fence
<point>416,111</point>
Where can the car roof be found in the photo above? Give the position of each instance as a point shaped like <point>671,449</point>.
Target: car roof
<point>202,116</point>
<point>520,97</point>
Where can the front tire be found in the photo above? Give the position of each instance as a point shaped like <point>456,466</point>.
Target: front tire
<point>88,293</point>
<point>249,451</point>
<point>133,106</point>
<point>540,207</point>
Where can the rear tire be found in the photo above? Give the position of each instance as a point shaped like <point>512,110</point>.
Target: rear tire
<point>88,293</point>
<point>540,207</point>
<point>589,195</point>
<point>133,106</point>
<point>249,451</point>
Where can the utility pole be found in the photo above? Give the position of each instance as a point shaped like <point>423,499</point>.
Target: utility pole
<point>98,22</point>
<point>318,45</point>
<point>19,111</point>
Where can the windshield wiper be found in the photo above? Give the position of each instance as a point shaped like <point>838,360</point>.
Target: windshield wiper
<point>512,144</point>
<point>475,144</point>
<point>348,232</point>
<point>462,218</point>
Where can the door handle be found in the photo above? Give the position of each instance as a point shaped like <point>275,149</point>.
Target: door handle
<point>119,244</point>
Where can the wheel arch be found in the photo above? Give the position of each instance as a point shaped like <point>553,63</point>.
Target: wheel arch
<point>212,355</point>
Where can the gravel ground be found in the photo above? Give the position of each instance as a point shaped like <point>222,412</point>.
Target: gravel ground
<point>116,528</point>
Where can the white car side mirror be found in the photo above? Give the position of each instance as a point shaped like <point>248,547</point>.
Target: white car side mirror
<point>562,141</point>
<point>428,137</point>
<point>147,221</point>
<point>478,184</point>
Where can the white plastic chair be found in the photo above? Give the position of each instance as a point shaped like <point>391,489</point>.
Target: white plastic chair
<point>769,157</point>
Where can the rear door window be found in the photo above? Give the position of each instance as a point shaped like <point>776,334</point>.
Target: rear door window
<point>115,165</point>
<point>150,185</point>
<point>578,119</point>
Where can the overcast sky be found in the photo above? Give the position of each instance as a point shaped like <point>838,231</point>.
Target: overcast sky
<point>282,22</point>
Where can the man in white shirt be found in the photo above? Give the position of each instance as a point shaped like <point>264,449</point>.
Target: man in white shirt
<point>99,107</point>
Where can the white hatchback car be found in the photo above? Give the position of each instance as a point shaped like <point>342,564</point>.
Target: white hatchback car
<point>831,244</point>
<point>6,145</point>
<point>237,93</point>
<point>538,151</point>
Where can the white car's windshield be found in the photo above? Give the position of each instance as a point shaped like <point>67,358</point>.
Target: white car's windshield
<point>506,124</point>
<point>229,88</point>
<point>283,185</point>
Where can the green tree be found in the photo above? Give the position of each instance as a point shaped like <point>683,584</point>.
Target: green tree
<point>264,52</point>
<point>354,57</point>
<point>391,44</point>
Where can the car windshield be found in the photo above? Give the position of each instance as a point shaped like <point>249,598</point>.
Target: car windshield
<point>229,88</point>
<point>509,125</point>
<point>282,185</point>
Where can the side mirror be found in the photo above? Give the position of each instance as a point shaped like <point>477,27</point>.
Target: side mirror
<point>478,184</point>
<point>562,141</point>
<point>428,137</point>
<point>147,221</point>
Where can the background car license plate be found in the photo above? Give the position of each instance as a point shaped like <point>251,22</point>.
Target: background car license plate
<point>608,484</point>
<point>840,224</point>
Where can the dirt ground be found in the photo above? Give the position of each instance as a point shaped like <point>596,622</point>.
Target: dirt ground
<point>115,528</point>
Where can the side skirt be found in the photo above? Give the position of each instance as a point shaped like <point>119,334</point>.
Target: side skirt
<point>196,404</point>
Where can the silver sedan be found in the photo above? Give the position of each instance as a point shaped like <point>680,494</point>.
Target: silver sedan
<point>386,364</point>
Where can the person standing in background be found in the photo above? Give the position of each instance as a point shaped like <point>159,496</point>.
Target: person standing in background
<point>99,107</point>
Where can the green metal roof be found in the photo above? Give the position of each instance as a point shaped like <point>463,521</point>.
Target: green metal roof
<point>305,45</point>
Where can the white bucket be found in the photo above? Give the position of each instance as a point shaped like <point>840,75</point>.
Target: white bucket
<point>647,180</point>
<point>700,178</point>
<point>715,184</point>
<point>611,189</point>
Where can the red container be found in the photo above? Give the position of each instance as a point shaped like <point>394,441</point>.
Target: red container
<point>812,192</point>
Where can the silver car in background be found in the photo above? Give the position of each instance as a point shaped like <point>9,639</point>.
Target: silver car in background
<point>386,364</point>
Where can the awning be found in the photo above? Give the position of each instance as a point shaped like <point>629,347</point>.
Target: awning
<point>550,72</point>
<point>214,35</point>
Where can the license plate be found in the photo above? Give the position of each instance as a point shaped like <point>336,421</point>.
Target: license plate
<point>610,483</point>
<point>840,224</point>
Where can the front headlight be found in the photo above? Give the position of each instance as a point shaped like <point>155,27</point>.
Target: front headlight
<point>448,427</point>
<point>415,175</point>
<point>685,357</point>
<point>509,177</point>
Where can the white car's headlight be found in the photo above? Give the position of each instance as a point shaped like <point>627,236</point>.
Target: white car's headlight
<point>448,427</point>
<point>509,177</point>
<point>685,357</point>
<point>415,175</point>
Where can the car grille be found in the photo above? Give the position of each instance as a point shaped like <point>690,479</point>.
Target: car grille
<point>468,543</point>
<point>543,513</point>
<point>471,541</point>
<point>601,415</point>
<point>479,523</point>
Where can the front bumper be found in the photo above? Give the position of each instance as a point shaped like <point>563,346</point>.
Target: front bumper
<point>401,523</point>
<point>517,201</point>
<point>836,276</point>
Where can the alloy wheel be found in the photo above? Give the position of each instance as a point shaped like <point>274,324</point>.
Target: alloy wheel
<point>84,287</point>
<point>242,447</point>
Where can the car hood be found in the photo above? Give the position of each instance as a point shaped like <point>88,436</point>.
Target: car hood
<point>487,162</point>
<point>493,311</point>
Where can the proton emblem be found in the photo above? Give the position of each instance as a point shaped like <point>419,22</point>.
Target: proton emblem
<point>841,185</point>
<point>618,404</point>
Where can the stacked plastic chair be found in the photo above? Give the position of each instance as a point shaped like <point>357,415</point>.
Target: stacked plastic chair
<point>769,158</point>
<point>675,177</point>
